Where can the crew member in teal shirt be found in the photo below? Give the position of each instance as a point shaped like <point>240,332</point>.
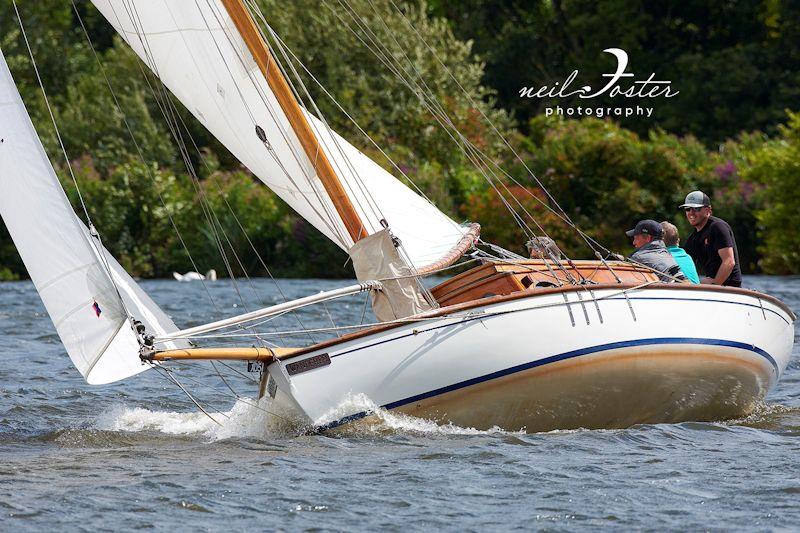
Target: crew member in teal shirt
<point>684,260</point>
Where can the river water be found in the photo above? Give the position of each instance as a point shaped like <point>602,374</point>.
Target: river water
<point>139,454</point>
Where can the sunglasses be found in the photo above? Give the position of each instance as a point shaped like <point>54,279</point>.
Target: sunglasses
<point>692,209</point>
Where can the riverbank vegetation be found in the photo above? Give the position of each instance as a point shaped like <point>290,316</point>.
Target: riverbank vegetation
<point>157,217</point>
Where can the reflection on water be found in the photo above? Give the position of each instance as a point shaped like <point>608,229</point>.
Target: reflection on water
<point>139,453</point>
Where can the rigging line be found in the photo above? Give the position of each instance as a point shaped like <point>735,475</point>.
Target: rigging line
<point>330,317</point>
<point>357,178</point>
<point>364,309</point>
<point>536,222</point>
<point>372,204</point>
<point>525,210</point>
<point>424,91</point>
<point>225,381</point>
<point>330,223</point>
<point>197,383</point>
<point>329,219</point>
<point>340,106</point>
<point>238,397</point>
<point>281,46</point>
<point>244,400</point>
<point>360,129</point>
<point>441,116</point>
<point>215,227</point>
<point>169,111</point>
<point>429,102</point>
<point>438,114</point>
<point>506,142</point>
<point>368,224</point>
<point>474,104</point>
<point>194,401</point>
<point>222,195</point>
<point>149,171</point>
<point>238,372</point>
<point>98,247</point>
<point>409,180</point>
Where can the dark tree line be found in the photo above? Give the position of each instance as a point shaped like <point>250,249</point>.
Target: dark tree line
<point>735,63</point>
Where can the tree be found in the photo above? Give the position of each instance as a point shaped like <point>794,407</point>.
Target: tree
<point>736,64</point>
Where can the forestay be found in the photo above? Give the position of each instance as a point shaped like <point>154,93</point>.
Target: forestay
<point>194,48</point>
<point>63,262</point>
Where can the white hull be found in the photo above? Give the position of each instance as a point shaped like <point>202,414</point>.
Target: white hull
<point>536,363</point>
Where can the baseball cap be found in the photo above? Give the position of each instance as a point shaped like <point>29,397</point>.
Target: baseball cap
<point>696,199</point>
<point>646,227</point>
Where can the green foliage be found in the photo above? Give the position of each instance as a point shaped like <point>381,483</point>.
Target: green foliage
<point>606,178</point>
<point>776,166</point>
<point>736,64</point>
<point>348,50</point>
<point>605,175</point>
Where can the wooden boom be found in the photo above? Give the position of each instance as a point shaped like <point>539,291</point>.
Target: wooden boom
<point>269,68</point>
<point>266,355</point>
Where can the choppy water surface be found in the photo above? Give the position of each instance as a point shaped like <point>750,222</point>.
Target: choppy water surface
<point>139,454</point>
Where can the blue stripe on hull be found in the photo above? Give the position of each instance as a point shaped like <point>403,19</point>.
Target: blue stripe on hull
<point>554,359</point>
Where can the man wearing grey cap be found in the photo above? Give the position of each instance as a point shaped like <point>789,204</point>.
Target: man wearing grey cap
<point>651,251</point>
<point>711,245</point>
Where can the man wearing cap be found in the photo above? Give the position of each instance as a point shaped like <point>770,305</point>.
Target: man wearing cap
<point>711,245</point>
<point>651,251</point>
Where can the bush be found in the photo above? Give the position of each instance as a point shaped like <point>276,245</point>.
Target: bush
<point>776,166</point>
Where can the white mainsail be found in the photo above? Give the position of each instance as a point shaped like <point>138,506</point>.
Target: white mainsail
<point>63,263</point>
<point>195,49</point>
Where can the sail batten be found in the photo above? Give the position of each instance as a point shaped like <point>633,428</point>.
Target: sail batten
<point>215,76</point>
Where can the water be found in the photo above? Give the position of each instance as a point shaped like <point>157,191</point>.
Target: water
<point>138,454</point>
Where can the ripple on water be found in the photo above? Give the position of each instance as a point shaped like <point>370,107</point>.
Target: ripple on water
<point>139,453</point>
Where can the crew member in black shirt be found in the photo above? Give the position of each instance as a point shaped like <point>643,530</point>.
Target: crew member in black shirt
<point>711,246</point>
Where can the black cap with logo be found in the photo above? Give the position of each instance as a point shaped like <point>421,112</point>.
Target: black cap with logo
<point>696,199</point>
<point>647,227</point>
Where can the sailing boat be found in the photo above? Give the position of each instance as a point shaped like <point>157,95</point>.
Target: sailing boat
<point>515,343</point>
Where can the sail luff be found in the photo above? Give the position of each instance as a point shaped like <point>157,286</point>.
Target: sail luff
<point>248,30</point>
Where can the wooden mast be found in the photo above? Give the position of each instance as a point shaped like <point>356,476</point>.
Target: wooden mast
<point>269,68</point>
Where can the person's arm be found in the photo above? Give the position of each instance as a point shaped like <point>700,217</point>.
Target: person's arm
<point>725,269</point>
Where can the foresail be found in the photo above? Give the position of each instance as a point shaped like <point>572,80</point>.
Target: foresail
<point>194,48</point>
<point>62,262</point>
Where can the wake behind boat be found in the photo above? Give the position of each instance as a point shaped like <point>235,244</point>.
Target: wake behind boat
<point>533,344</point>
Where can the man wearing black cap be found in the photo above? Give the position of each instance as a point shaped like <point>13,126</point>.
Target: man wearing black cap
<point>711,246</point>
<point>651,250</point>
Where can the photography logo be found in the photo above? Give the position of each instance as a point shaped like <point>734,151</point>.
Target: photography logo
<point>620,84</point>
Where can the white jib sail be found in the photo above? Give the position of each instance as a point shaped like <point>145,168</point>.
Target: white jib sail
<point>194,48</point>
<point>61,260</point>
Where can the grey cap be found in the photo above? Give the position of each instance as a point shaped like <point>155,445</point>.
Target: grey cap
<point>646,227</point>
<point>696,199</point>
